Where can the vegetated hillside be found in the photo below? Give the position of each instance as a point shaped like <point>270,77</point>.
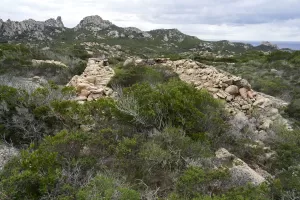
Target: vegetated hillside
<point>155,137</point>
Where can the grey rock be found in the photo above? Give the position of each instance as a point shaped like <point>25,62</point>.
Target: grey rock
<point>242,83</point>
<point>240,173</point>
<point>232,89</point>
<point>129,61</point>
<point>11,29</point>
<point>93,23</point>
<point>55,23</point>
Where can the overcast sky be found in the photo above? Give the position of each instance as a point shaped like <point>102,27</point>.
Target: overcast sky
<point>250,20</point>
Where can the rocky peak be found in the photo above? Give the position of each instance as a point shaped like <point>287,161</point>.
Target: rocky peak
<point>55,23</point>
<point>132,29</point>
<point>169,35</point>
<point>269,44</point>
<point>1,23</point>
<point>93,22</point>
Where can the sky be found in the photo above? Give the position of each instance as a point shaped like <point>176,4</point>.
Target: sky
<point>235,20</point>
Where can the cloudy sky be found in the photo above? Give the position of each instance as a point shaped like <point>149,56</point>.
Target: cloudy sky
<point>249,20</point>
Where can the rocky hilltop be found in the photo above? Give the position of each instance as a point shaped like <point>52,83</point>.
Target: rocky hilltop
<point>93,23</point>
<point>13,30</point>
<point>96,29</point>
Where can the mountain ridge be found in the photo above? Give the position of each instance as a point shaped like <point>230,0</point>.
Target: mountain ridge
<point>96,29</point>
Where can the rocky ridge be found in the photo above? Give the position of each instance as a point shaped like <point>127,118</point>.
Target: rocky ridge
<point>97,29</point>
<point>33,29</point>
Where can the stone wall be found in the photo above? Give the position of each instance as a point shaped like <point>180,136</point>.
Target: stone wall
<point>92,83</point>
<point>247,107</point>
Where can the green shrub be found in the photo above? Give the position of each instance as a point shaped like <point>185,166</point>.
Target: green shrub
<point>197,182</point>
<point>105,187</point>
<point>30,176</point>
<point>273,86</point>
<point>175,103</point>
<point>294,109</point>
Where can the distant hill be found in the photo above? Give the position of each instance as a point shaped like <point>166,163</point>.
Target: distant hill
<point>96,29</point>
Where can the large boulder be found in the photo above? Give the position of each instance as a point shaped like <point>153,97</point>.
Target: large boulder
<point>242,83</point>
<point>243,93</point>
<point>232,89</point>
<point>129,61</point>
<point>240,173</point>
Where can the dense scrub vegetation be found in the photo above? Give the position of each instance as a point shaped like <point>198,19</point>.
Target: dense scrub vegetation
<point>16,60</point>
<point>154,141</point>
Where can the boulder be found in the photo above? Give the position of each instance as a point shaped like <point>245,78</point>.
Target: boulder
<point>229,98</point>
<point>84,93</point>
<point>232,89</point>
<point>242,83</point>
<point>213,90</point>
<point>190,71</point>
<point>246,107</point>
<point>240,173</point>
<point>266,124</point>
<point>221,95</point>
<point>243,93</point>
<point>129,61</point>
<point>95,96</point>
<point>98,91</point>
<point>227,81</point>
<point>250,94</point>
<point>81,98</point>
<point>36,79</point>
<point>259,102</point>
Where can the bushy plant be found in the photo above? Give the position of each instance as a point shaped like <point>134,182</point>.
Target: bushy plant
<point>105,187</point>
<point>175,103</point>
<point>197,182</point>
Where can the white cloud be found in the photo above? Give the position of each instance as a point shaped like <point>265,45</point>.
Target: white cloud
<point>273,20</point>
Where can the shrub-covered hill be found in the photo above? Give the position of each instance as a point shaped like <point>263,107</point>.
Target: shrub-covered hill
<point>157,137</point>
<point>156,140</point>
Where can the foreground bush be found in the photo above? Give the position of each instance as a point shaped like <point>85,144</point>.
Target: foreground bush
<point>173,103</point>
